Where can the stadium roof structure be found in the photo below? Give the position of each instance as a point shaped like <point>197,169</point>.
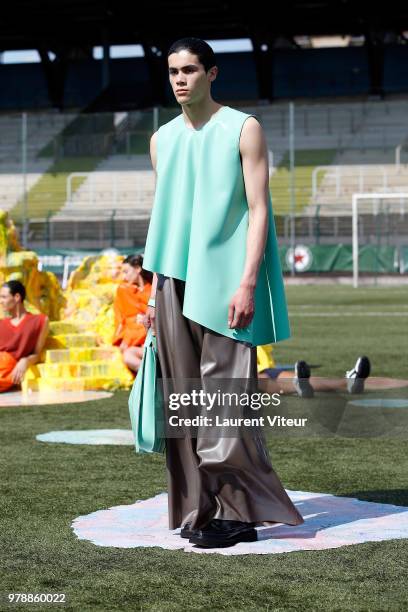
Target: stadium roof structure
<point>71,28</point>
<point>28,24</point>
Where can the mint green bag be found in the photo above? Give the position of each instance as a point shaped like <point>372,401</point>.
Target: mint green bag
<point>146,402</point>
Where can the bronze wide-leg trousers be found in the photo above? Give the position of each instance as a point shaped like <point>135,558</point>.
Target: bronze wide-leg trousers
<point>226,478</point>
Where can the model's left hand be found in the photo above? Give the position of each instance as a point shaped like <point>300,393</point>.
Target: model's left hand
<point>20,369</point>
<point>241,308</point>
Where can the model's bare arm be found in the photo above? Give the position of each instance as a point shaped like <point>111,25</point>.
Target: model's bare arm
<point>153,157</point>
<point>150,314</point>
<point>254,154</point>
<point>153,151</point>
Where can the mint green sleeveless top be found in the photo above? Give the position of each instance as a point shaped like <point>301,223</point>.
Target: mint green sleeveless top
<point>198,228</point>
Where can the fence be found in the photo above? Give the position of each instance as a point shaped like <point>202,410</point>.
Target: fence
<point>118,228</point>
<point>316,259</point>
<point>346,179</point>
<point>85,179</point>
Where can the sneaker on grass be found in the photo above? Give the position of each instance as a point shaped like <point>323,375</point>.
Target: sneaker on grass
<point>356,377</point>
<point>301,380</point>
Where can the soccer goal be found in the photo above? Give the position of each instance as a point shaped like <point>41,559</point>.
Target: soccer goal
<point>375,202</point>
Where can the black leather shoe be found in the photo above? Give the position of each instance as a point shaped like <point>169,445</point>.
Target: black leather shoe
<point>221,534</point>
<point>187,532</point>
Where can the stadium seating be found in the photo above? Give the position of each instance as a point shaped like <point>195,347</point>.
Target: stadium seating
<point>368,172</point>
<point>42,129</point>
<point>348,134</point>
<point>324,134</point>
<point>358,136</point>
<point>121,183</point>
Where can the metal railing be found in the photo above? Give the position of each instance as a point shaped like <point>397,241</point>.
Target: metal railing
<point>55,145</point>
<point>360,177</point>
<point>120,228</point>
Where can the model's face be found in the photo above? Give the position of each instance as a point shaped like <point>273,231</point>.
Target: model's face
<point>188,74</point>
<point>8,302</point>
<point>131,274</point>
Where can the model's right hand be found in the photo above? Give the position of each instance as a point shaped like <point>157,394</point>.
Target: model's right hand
<point>150,319</point>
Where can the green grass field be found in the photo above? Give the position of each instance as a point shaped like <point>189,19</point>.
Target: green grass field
<point>45,486</point>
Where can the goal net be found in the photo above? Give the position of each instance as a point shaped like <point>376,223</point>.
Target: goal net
<point>390,214</point>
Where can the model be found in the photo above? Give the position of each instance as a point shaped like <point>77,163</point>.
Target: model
<point>217,293</point>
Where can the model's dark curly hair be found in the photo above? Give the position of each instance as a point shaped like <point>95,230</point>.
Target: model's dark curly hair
<point>14,286</point>
<point>198,47</point>
<point>135,261</point>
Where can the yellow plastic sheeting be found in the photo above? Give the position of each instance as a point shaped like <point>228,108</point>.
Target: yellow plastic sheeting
<point>82,354</point>
<point>63,327</point>
<point>8,236</point>
<point>44,293</point>
<point>92,308</point>
<point>92,369</point>
<point>76,384</point>
<point>78,355</point>
<point>264,357</point>
<point>97,270</point>
<point>91,292</point>
<point>71,340</point>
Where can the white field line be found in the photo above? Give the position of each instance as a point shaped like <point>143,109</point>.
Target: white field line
<point>349,306</point>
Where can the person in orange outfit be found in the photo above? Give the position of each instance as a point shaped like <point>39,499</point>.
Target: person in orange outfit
<point>130,306</point>
<point>22,335</point>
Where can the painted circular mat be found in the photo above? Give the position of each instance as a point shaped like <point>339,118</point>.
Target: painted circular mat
<point>35,398</point>
<point>380,402</point>
<point>330,522</point>
<point>374,383</point>
<point>115,437</point>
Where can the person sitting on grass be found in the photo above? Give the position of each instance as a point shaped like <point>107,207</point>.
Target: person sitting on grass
<point>22,335</point>
<point>305,385</point>
<point>130,306</point>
